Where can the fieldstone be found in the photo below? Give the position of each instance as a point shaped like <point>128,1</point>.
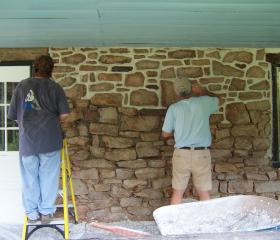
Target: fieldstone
<point>102,188</point>
<point>108,115</point>
<point>236,113</point>
<point>80,155</point>
<point>140,211</point>
<point>146,149</point>
<point>261,144</point>
<point>216,118</point>
<point>149,193</point>
<point>80,187</point>
<point>134,80</point>
<point>119,50</point>
<point>138,163</point>
<point>225,70</point>
<point>107,99</point>
<point>143,97</point>
<point>77,91</point>
<point>256,176</point>
<point>272,175</point>
<point>134,184</point>
<point>167,73</point>
<point>81,103</point>
<point>237,84</point>
<point>131,202</point>
<point>156,163</point>
<point>92,68</point>
<point>243,143</point>
<point>222,133</point>
<point>80,141</point>
<point>250,95</point>
<point>259,105</point>
<point>121,154</point>
<point>120,192</point>
<point>122,69</point>
<point>225,167</point>
<point>63,69</point>
<point>207,80</point>
<point>255,72</point>
<point>172,63</point>
<point>97,152</point>
<point>220,154</point>
<point>107,173</point>
<point>95,163</point>
<point>74,59</point>
<point>116,77</point>
<point>141,50</point>
<point>147,64</point>
<point>113,59</point>
<point>149,173</point>
<point>180,54</point>
<point>161,183</point>
<point>92,55</point>
<point>244,130</point>
<point>74,116</point>
<point>83,129</point>
<point>240,186</point>
<point>214,54</point>
<point>103,129</point>
<point>101,87</point>
<point>118,142</point>
<point>129,111</point>
<point>266,187</point>
<point>140,123</point>
<point>225,143</point>
<point>67,81</point>
<point>124,173</point>
<point>86,174</point>
<point>201,62</point>
<point>240,56</point>
<point>168,95</point>
<point>260,54</point>
<point>263,85</point>
<point>93,196</point>
<point>192,72</point>
<point>101,204</point>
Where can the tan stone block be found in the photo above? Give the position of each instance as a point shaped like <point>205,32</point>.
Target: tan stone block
<point>226,70</point>
<point>80,141</point>
<point>67,81</point>
<point>146,149</point>
<point>244,130</point>
<point>222,133</point>
<point>77,91</point>
<point>102,187</point>
<point>200,62</point>
<point>134,80</point>
<point>80,155</point>
<point>103,129</point>
<point>167,73</point>
<point>119,50</point>
<point>80,187</point>
<point>220,154</point>
<point>97,152</point>
<point>140,211</point>
<point>149,173</point>
<point>213,54</point>
<point>107,99</point>
<point>137,163</point>
<point>168,95</point>
<point>240,56</point>
<point>134,184</point>
<point>171,63</point>
<point>143,97</point>
<point>255,72</point>
<point>191,72</point>
<point>237,113</point>
<point>156,163</point>
<point>108,115</point>
<point>75,59</point>
<point>101,87</point>
<point>86,174</point>
<point>259,105</point>
<point>263,85</point>
<point>107,173</point>
<point>127,202</point>
<point>95,163</point>
<point>244,96</point>
<point>237,84</point>
<point>113,59</point>
<point>154,136</point>
<point>161,183</point>
<point>118,142</point>
<point>256,176</point>
<point>149,193</point>
<point>240,186</point>
<point>180,54</point>
<point>147,64</point>
<point>225,167</point>
<point>63,69</point>
<point>243,143</point>
<point>92,68</point>
<point>124,173</point>
<point>121,155</point>
<point>140,123</point>
<point>116,77</point>
<point>266,187</point>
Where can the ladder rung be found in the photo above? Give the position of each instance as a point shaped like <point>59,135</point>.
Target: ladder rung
<point>53,222</point>
<point>61,206</point>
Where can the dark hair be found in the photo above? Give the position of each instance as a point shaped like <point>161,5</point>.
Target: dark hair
<point>43,66</point>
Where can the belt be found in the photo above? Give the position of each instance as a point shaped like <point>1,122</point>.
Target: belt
<point>195,148</point>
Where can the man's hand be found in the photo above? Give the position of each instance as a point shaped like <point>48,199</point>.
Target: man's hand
<point>166,135</point>
<point>63,116</point>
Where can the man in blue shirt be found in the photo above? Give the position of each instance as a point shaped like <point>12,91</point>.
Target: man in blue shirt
<point>38,105</point>
<point>188,120</point>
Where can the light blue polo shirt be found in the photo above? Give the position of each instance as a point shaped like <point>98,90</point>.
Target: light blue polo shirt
<point>189,119</point>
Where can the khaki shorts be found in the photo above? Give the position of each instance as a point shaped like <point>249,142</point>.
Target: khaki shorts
<point>196,162</point>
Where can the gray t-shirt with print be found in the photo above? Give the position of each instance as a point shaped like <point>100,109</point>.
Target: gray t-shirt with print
<point>36,105</point>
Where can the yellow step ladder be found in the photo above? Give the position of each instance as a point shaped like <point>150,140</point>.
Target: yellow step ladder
<point>62,226</point>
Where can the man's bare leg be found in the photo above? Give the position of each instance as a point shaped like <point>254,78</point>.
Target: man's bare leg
<point>203,195</point>
<point>177,196</point>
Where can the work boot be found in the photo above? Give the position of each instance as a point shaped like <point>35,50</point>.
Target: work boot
<point>45,219</point>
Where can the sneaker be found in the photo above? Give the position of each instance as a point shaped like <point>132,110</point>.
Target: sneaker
<point>33,220</point>
<point>45,219</point>
<point>33,217</point>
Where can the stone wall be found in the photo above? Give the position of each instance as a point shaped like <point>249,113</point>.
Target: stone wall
<point>118,97</point>
<point>121,165</point>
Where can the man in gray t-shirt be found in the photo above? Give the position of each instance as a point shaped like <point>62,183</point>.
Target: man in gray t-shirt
<point>38,105</point>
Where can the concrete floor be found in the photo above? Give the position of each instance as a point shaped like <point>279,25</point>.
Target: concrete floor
<point>83,231</point>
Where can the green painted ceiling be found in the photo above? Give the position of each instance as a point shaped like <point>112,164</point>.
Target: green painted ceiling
<point>190,23</point>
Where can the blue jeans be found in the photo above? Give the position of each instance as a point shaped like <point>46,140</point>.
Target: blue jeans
<point>40,182</point>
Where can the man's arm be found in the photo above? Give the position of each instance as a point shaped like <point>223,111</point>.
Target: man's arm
<point>166,135</point>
